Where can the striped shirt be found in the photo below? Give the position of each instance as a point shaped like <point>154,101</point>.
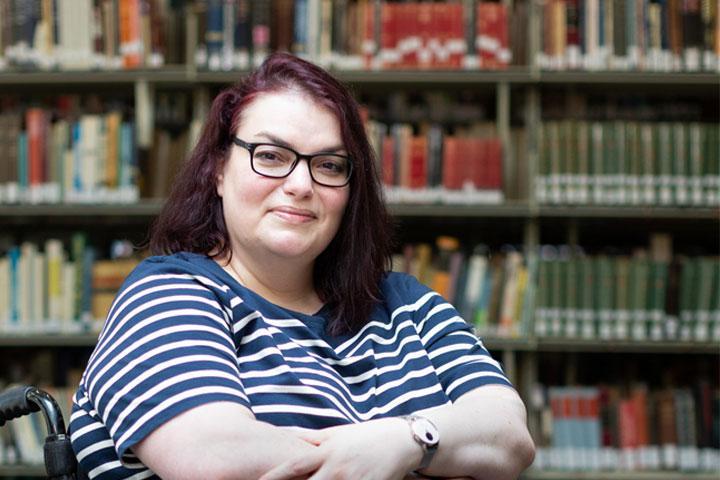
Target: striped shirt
<point>182,333</point>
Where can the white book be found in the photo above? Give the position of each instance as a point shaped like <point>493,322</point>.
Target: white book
<point>4,293</point>
<point>39,292</point>
<point>68,315</point>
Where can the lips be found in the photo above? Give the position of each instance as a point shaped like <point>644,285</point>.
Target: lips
<point>292,213</point>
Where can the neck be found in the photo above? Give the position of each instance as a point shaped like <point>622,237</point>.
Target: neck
<point>281,281</point>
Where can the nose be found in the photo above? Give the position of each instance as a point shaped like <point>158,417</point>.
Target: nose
<point>299,183</point>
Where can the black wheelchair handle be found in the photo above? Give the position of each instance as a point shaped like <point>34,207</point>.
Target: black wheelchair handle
<point>14,403</point>
<point>24,400</point>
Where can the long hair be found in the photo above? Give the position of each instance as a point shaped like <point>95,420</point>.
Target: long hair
<point>348,272</point>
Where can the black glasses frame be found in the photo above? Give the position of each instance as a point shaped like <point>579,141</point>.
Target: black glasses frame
<point>250,147</point>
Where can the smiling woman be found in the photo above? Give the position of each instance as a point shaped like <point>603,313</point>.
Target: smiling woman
<point>266,339</point>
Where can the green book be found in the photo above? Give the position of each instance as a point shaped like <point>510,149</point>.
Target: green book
<point>638,296</point>
<point>547,256</point>
<point>620,154</point>
<point>596,163</point>
<point>695,163</point>
<point>555,158</point>
<point>604,294</point>
<point>568,136</point>
<point>647,163</point>
<point>582,151</point>
<point>543,172</point>
<point>657,295</point>
<point>572,324</point>
<point>688,297</point>
<point>587,300</point>
<point>556,295</point>
<point>664,152</point>
<point>622,297</point>
<point>705,267</point>
<point>711,168</point>
<point>633,156</point>
<point>715,302</point>
<point>680,170</point>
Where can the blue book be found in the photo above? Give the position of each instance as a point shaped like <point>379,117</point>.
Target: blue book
<point>214,33</point>
<point>128,156</point>
<point>14,258</point>
<point>300,33</point>
<point>76,135</point>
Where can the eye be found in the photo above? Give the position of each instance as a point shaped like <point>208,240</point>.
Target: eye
<point>273,154</point>
<point>330,165</point>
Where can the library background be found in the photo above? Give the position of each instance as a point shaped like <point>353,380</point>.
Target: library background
<point>553,167</point>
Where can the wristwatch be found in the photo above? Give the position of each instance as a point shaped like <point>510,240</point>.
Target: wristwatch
<point>426,434</point>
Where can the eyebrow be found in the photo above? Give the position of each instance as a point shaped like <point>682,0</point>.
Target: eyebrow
<point>282,143</point>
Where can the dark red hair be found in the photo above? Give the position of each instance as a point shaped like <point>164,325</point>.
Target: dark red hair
<point>347,274</point>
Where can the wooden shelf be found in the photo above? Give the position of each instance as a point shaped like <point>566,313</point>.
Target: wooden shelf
<point>638,475</point>
<point>48,340</point>
<point>515,209</point>
<point>521,75</point>
<point>626,346</point>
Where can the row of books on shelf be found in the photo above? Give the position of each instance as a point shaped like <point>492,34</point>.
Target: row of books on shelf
<point>667,36</point>
<point>435,166</point>
<point>608,427</point>
<point>50,160</point>
<point>89,34</point>
<point>236,34</point>
<point>627,297</point>
<point>59,290</point>
<point>504,293</point>
<point>358,34</point>
<point>628,163</point>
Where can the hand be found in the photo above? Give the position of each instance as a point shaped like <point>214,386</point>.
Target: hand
<point>380,449</point>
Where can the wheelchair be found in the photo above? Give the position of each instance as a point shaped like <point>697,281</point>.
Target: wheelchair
<point>59,458</point>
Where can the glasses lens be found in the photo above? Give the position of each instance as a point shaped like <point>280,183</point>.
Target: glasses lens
<point>332,170</point>
<point>272,160</point>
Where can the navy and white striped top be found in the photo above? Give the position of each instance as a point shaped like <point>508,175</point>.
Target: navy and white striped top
<point>182,333</point>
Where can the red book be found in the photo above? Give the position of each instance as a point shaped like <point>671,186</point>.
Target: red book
<point>36,125</point>
<point>388,34</point>
<point>426,30</point>
<point>457,34</point>
<point>478,171</point>
<point>493,159</point>
<point>369,47</point>
<point>418,162</point>
<point>131,45</point>
<point>442,14</point>
<point>492,34</point>
<point>452,163</point>
<point>627,424</point>
<point>388,161</point>
<point>639,398</point>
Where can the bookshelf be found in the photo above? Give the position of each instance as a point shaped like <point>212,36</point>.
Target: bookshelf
<point>515,97</point>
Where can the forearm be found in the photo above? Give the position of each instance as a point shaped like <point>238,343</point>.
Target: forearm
<point>218,441</point>
<point>483,435</point>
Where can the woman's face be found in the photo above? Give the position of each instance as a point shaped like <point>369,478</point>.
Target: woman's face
<point>291,217</point>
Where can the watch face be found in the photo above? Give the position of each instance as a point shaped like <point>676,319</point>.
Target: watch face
<point>426,431</point>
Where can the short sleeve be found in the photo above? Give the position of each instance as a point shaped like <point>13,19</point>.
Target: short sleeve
<point>166,347</point>
<point>461,361</point>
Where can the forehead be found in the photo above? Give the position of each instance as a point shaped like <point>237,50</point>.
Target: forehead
<point>289,113</point>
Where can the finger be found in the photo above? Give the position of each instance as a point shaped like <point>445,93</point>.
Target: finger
<point>297,467</point>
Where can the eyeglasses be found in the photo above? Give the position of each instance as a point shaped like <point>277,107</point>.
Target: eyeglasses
<point>274,161</point>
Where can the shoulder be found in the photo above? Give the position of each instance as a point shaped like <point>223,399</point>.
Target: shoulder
<point>403,289</point>
<point>404,294</point>
<point>178,269</point>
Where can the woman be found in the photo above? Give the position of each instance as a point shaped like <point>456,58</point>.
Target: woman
<point>268,340</point>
